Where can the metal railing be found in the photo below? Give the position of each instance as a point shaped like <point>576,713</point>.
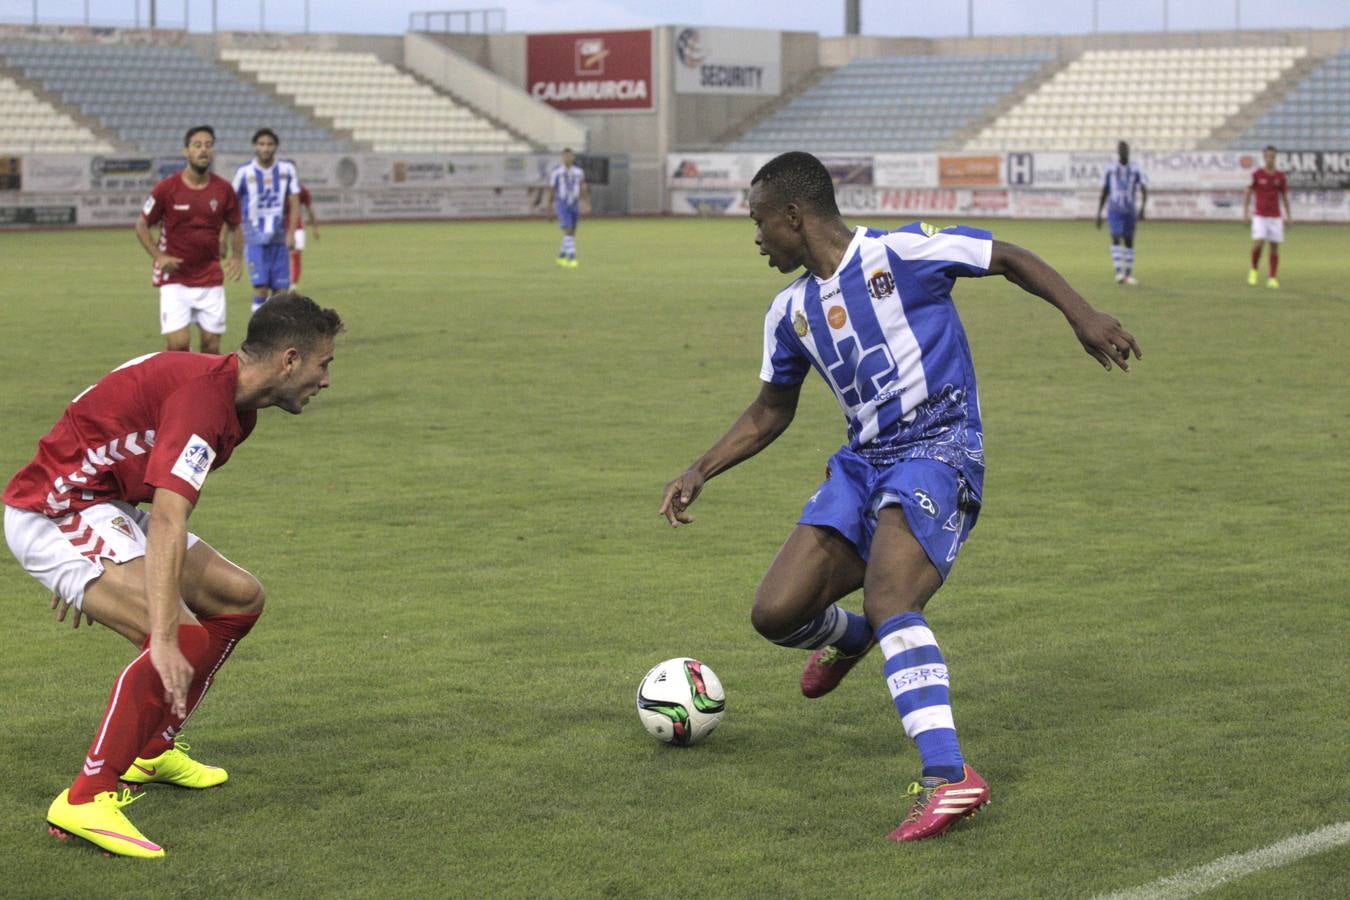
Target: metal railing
<point>461,21</point>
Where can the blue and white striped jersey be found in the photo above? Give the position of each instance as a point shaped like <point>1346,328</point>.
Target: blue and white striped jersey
<point>884,334</point>
<point>1123,180</point>
<point>566,182</point>
<point>262,199</point>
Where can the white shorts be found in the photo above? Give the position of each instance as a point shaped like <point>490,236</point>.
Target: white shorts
<point>181,306</point>
<point>299,239</point>
<point>1268,228</point>
<point>66,554</point>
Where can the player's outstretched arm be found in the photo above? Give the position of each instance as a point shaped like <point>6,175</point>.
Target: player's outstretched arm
<point>1101,334</point>
<point>758,427</point>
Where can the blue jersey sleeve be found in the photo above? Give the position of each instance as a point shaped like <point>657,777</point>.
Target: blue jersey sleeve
<point>936,257</point>
<point>785,359</point>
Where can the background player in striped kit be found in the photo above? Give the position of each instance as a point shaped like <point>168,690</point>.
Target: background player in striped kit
<point>1270,187</point>
<point>1122,181</point>
<point>153,430</point>
<point>570,196</point>
<point>268,190</point>
<point>873,315</point>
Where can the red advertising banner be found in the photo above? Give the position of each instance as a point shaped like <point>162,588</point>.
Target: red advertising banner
<point>590,70</point>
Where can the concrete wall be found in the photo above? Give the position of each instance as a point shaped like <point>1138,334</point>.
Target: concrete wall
<point>491,93</point>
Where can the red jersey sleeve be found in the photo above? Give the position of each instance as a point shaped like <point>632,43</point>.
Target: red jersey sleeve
<point>158,201</point>
<point>191,434</point>
<point>231,210</point>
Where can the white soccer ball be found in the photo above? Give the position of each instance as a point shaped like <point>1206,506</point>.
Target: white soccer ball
<point>681,701</point>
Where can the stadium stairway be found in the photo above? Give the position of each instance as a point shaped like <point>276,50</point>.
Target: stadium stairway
<point>1007,102</point>
<point>379,103</point>
<point>1314,113</point>
<point>309,112</point>
<point>1224,136</point>
<point>768,110</point>
<point>14,83</point>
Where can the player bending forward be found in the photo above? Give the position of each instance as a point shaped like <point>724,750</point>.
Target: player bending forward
<point>153,430</point>
<point>873,314</point>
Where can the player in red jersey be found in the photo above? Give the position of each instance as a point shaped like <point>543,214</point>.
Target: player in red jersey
<point>306,214</point>
<point>1270,188</point>
<point>191,208</point>
<point>153,430</point>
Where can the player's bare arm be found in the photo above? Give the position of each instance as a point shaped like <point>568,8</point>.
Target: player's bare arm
<point>1101,334</point>
<point>165,549</point>
<point>1143,200</point>
<point>165,262</point>
<point>1247,204</point>
<point>233,265</point>
<point>1101,204</point>
<point>311,220</point>
<point>758,427</point>
<point>292,219</point>
<point>1288,216</point>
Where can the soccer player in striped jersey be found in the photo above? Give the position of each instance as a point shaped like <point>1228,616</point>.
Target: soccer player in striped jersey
<point>873,315</point>
<point>1123,181</point>
<point>269,191</point>
<point>570,196</point>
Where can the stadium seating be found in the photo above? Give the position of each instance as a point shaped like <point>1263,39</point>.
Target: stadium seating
<point>151,95</point>
<point>1169,99</point>
<point>893,103</point>
<point>28,125</point>
<point>1315,114</point>
<point>377,102</point>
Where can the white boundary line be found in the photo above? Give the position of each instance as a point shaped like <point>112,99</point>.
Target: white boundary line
<point>1236,865</point>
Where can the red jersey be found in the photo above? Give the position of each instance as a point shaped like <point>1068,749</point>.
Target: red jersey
<point>1268,186</point>
<point>189,221</point>
<point>301,202</point>
<point>160,421</point>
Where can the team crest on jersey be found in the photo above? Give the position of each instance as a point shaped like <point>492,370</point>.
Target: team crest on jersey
<point>837,317</point>
<point>122,525</point>
<point>799,324</point>
<point>214,204</point>
<point>881,284</point>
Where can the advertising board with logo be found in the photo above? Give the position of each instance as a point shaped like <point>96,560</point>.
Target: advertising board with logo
<point>590,70</point>
<point>1313,169</point>
<point>728,61</point>
<point>970,171</point>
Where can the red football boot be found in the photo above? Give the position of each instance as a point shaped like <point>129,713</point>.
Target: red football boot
<point>826,668</point>
<point>940,804</point>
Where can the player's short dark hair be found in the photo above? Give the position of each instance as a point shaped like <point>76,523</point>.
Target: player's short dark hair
<point>261,132</point>
<point>799,177</point>
<point>1267,147</point>
<point>197,129</point>
<point>290,319</point>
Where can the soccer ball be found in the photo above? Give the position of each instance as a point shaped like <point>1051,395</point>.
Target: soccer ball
<point>681,701</point>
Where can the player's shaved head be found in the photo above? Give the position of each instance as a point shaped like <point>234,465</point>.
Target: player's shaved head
<point>800,178</point>
<point>290,319</point>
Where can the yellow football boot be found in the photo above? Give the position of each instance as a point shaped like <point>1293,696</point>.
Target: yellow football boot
<point>101,822</point>
<point>1252,276</point>
<point>174,766</point>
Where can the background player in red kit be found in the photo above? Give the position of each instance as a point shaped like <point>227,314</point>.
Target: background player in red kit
<point>191,208</point>
<point>153,430</point>
<point>306,215</point>
<point>1270,187</point>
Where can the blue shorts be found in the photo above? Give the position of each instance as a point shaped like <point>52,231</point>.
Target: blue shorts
<point>939,506</point>
<point>269,265</point>
<point>568,216</point>
<point>1121,222</point>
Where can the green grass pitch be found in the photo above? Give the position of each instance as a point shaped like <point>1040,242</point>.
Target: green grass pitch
<point>467,578</point>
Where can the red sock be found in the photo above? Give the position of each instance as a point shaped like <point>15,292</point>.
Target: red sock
<point>135,708</point>
<point>1256,257</point>
<point>295,266</point>
<point>1274,261</point>
<point>224,632</point>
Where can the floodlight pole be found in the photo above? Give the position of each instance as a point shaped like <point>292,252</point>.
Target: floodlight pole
<point>154,15</point>
<point>1165,5</point>
<point>262,15</point>
<point>970,18</point>
<point>1237,15</point>
<point>1094,16</point>
<point>306,16</point>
